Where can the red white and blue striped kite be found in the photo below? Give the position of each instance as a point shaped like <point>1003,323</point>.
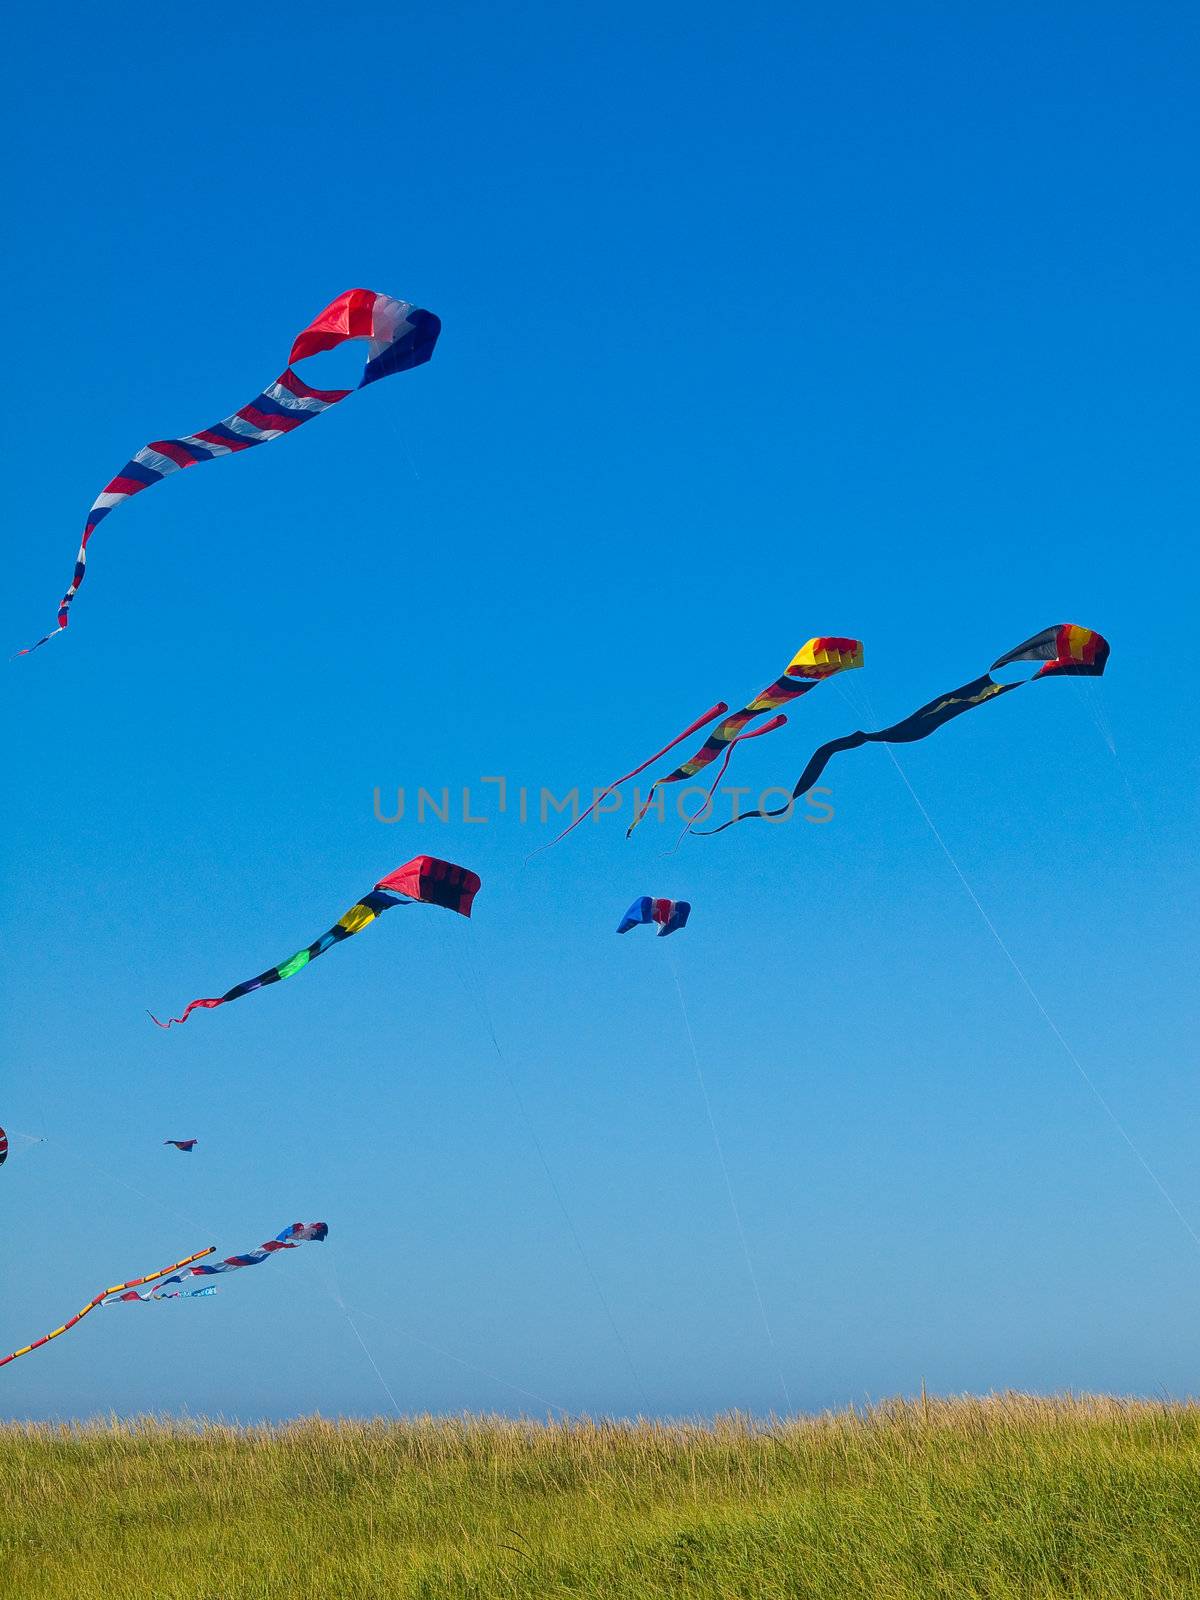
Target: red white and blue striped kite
<point>398,335</point>
<point>299,1233</point>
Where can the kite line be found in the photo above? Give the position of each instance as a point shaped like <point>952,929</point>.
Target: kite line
<point>1046,1017</point>
<point>733,1205</point>
<point>478,997</point>
<point>1100,651</point>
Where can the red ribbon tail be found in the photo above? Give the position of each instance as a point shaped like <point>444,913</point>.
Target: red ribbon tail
<point>710,715</point>
<point>187,1011</point>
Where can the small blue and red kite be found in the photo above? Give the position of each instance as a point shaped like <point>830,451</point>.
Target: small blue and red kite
<point>670,915</point>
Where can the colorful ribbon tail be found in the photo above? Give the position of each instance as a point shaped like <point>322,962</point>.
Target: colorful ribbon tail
<point>817,763</point>
<point>99,1299</point>
<point>187,1011</point>
<point>646,803</point>
<point>45,639</point>
<point>710,715</point>
<point>767,727</point>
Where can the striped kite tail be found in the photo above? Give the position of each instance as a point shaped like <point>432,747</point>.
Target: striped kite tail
<point>98,1299</point>
<point>767,727</point>
<point>77,577</point>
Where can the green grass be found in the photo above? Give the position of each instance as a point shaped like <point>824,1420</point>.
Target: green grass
<point>1005,1497</point>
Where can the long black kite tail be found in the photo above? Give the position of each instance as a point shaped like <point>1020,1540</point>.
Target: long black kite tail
<point>917,726</point>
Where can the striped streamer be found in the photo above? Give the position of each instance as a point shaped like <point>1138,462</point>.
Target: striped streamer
<point>98,1299</point>
<point>296,1234</point>
<point>399,336</point>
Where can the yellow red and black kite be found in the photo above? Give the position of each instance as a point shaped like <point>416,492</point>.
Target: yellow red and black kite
<point>1064,651</point>
<point>819,659</point>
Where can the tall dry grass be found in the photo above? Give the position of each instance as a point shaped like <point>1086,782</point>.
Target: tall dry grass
<point>995,1498</point>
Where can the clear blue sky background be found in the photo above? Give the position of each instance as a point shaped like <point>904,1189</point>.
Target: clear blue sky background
<point>758,324</point>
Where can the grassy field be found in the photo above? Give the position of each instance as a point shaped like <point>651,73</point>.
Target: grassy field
<point>1010,1496</point>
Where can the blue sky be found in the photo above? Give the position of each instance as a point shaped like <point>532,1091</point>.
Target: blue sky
<point>756,327</point>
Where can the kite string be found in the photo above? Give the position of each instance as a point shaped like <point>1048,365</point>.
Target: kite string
<point>1046,1017</point>
<point>345,1309</point>
<point>141,1194</point>
<point>28,1140</point>
<point>478,996</point>
<point>459,1361</point>
<point>729,1190</point>
<point>1091,692</point>
<point>1087,688</point>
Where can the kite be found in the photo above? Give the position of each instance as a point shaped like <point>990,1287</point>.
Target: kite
<point>669,914</point>
<point>1065,651</point>
<point>98,1299</point>
<point>812,663</point>
<point>818,659</point>
<point>3,1147</point>
<point>289,1239</point>
<point>424,880</point>
<point>399,336</point>
<point>186,1145</point>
